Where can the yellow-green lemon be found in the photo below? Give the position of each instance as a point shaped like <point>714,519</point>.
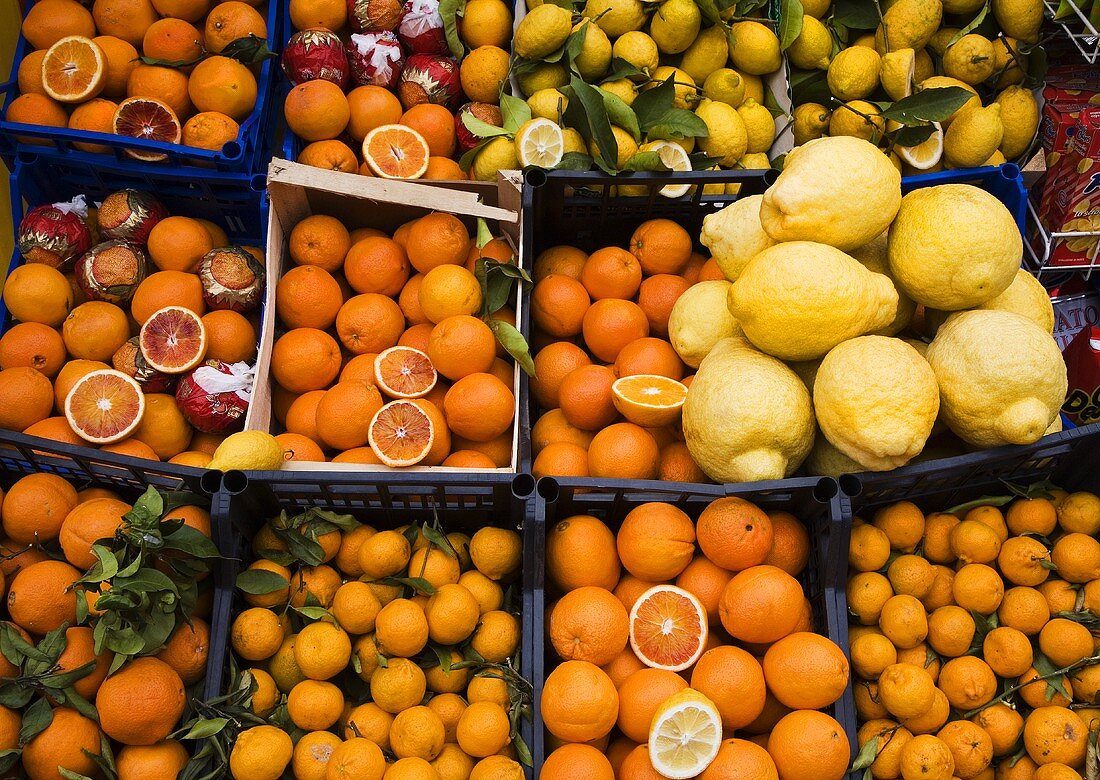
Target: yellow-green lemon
<point>874,257</point>
<point>936,82</point>
<point>734,235</point>
<point>574,141</point>
<point>637,48</point>
<point>876,400</point>
<point>731,413</point>
<point>971,59</point>
<point>923,66</point>
<point>1020,119</point>
<point>853,73</point>
<point>809,121</point>
<point>623,89</point>
<point>754,48</point>
<point>726,137</point>
<point>595,55</point>
<point>686,94</point>
<point>816,8</point>
<point>543,30</point>
<point>248,451</point>
<point>959,7</point>
<point>627,147</point>
<point>825,460</point>
<point>1007,60</point>
<point>709,52</point>
<point>840,191</point>
<point>941,39</point>
<point>497,155</point>
<point>548,103</point>
<point>898,72</point>
<point>908,24</point>
<point>759,126</point>
<point>726,86</point>
<point>973,136</point>
<point>700,319</point>
<point>674,25</point>
<point>799,299</point>
<point>953,246</point>
<point>813,47</point>
<point>544,75</point>
<point>616,17</point>
<point>1002,378</point>
<point>1027,297</point>
<point>1019,18</point>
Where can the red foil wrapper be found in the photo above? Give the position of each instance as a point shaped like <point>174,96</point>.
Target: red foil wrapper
<point>486,112</point>
<point>111,271</point>
<point>421,28</point>
<point>374,15</point>
<point>231,279</point>
<point>214,397</point>
<point>429,78</point>
<point>316,53</point>
<point>129,360</point>
<point>54,234</point>
<point>376,59</point>
<point>1082,358</point>
<point>129,215</point>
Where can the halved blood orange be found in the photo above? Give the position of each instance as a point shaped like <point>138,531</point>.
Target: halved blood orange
<point>404,372</point>
<point>649,400</point>
<point>104,406</point>
<point>668,628</point>
<point>74,69</point>
<point>173,340</point>
<point>396,152</point>
<point>146,117</point>
<point>401,434</point>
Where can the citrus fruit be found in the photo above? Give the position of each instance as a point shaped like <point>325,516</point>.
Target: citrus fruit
<point>149,119</point>
<point>540,142</point>
<point>396,152</point>
<point>685,735</point>
<point>668,628</point>
<point>401,434</point>
<point>105,406</point>
<point>649,400</point>
<point>404,372</point>
<point>73,69</point>
<point>173,340</point>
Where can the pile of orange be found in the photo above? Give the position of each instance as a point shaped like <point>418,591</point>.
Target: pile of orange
<point>600,318</point>
<point>380,677</point>
<point>665,603</point>
<point>60,338</point>
<point>48,531</point>
<point>85,71</point>
<point>384,356</point>
<point>975,643</point>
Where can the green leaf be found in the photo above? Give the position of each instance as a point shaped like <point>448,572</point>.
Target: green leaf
<point>314,613</point>
<point>574,44</point>
<point>928,105</point>
<point>913,135</point>
<point>599,125</point>
<point>8,758</point>
<point>859,14</point>
<point>466,161</point>
<point>514,343</point>
<point>652,104</point>
<point>439,540</point>
<point>515,112</point>
<point>702,162</point>
<point>443,656</point>
<point>80,704</point>
<point>450,10</point>
<point>484,235</point>
<point>619,113</point>
<point>125,642</point>
<point>678,123</point>
<point>250,50</point>
<point>419,584</point>
<point>810,86</point>
<point>412,534</point>
<point>522,751</point>
<point>208,727</point>
<point>36,719</point>
<point>977,20</point>
<point>147,510</point>
<point>14,696</point>
<point>983,501</point>
<point>383,661</point>
<point>105,567</point>
<point>481,128</point>
<point>495,291</point>
<point>790,22</point>
<point>12,644</point>
<point>1054,683</point>
<point>646,161</point>
<point>66,679</point>
<point>258,582</point>
<point>68,774</point>
<point>710,11</point>
<point>574,161</point>
<point>621,69</point>
<point>748,7</point>
<point>867,754</point>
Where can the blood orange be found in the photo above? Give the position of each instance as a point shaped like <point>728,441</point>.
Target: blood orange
<point>173,340</point>
<point>104,406</point>
<point>404,372</point>
<point>401,434</point>
<point>146,117</point>
<point>74,69</point>
<point>396,152</point>
<point>668,628</point>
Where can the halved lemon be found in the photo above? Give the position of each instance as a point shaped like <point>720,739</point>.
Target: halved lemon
<point>105,406</point>
<point>676,158</point>
<point>540,142</point>
<point>685,735</point>
<point>924,155</point>
<point>668,628</point>
<point>74,69</point>
<point>396,152</point>
<point>401,434</point>
<point>649,400</point>
<point>404,372</point>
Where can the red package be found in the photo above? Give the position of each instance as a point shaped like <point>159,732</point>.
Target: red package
<point>376,59</point>
<point>421,28</point>
<point>1082,358</point>
<point>214,397</point>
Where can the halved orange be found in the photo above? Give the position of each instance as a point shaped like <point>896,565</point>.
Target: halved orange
<point>404,372</point>
<point>74,69</point>
<point>104,406</point>
<point>173,340</point>
<point>668,628</point>
<point>146,117</point>
<point>401,434</point>
<point>396,152</point>
<point>649,400</point>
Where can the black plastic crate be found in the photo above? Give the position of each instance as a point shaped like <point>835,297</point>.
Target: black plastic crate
<point>383,500</point>
<point>817,502</point>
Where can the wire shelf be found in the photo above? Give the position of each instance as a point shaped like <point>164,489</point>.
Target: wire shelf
<point>1078,29</point>
<point>1037,261</point>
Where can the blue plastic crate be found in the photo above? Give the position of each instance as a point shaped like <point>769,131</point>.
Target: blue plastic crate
<point>1005,182</point>
<point>248,154</point>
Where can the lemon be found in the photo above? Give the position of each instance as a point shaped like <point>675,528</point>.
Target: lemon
<point>544,75</point>
<point>813,47</point>
<point>248,451</point>
<point>868,39</point>
<point>840,191</point>
<point>1006,61</point>
<point>675,157</point>
<point>759,126</point>
<point>935,82</point>
<point>997,158</point>
<point>874,257</point>
<point>726,86</point>
<point>623,89</point>
<point>727,139</point>
<point>595,55</point>
<point>1019,18</point>
<point>816,8</point>
<point>734,235</point>
<point>674,25</point>
<point>750,162</point>
<point>548,103</point>
<point>1026,297</point>
<point>876,400</point>
<point>707,53</point>
<point>939,41</point>
<point>497,155</point>
<point>540,142</point>
<point>958,7</point>
<point>1002,378</point>
<point>825,460</point>
<point>1020,119</point>
<point>953,246</point>
<point>627,147</point>
<point>973,136</point>
<point>699,320</point>
<point>638,49</point>
<point>853,73</point>
<point>574,141</point>
<point>925,155</point>
<point>542,31</point>
<point>730,418</point>
<point>754,48</point>
<point>908,24</point>
<point>898,72</point>
<point>685,735</point>
<point>799,299</point>
<point>971,59</point>
<point>686,93</point>
<point>923,66</point>
<point>809,121</point>
<point>754,86</point>
<point>616,17</point>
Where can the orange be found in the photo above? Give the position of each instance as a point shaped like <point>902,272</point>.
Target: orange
<point>806,671</point>
<point>35,507</point>
<point>24,398</point>
<point>70,374</point>
<point>162,759</point>
<point>577,762</point>
<point>552,363</point>
<point>1037,515</point>
<point>436,124</point>
<point>229,336</point>
<point>40,598</point>
<point>79,651</point>
<point>460,346</point>
<point>761,604</point>
<point>36,292</point>
<point>305,359</point>
<point>559,305</point>
<point>1077,557</point>
<point>372,106</point>
<point>319,240</point>
<point>971,747</point>
<point>314,704</point>
<point>173,40</point>
<point>483,72</point>
<point>561,459</point>
<point>468,460</point>
<point>447,291</point>
<point>496,249</point>
<point>131,447</point>
<point>232,20</point>
<point>479,407</point>
<point>167,288</point>
<point>395,152</point>
<point>655,541</point>
<point>1065,642</point>
<point>86,524</point>
<point>444,169</point>
<point>649,356</point>
<point>377,265</point>
<point>315,110</point>
<point>163,427</point>
<point>1055,735</point>
<point>661,246</point>
<point>261,751</point>
<point>734,681</point>
<point>807,739</point>
<point>69,741</point>
<point>706,581</point>
<point>734,533</point>
<point>125,19</point>
<point>360,367</point>
<point>417,337</point>
<point>553,427</point>
<point>586,399</point>
<point>30,73</point>
<point>187,649</point>
<point>121,61</point>
<point>167,85</point>
<point>611,273</point>
<point>34,109</point>
<point>968,682</point>
<point>141,702</point>
<point>344,413</point>
<point>610,324</point>
<point>301,417</point>
<point>790,543</point>
<point>640,695</point>
<point>1007,651</point>
<point>178,244</point>
<point>562,260</point>
<point>581,551</point>
<point>369,323</point>
<point>708,271</point>
<point>224,85</point>
<point>589,624</point>
<point>95,330</point>
<point>308,297</point>
<point>48,22</point>
<point>32,345</point>
<point>500,449</point>
<point>903,524</point>
<point>95,116</point>
<point>330,14</point>
<point>211,130</point>
<point>442,442</point>
<point>579,702</point>
<point>437,239</point>
<point>332,155</point>
<point>740,759</point>
<point>55,429</point>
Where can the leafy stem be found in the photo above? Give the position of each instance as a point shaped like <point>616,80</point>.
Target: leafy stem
<point>1057,673</point>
